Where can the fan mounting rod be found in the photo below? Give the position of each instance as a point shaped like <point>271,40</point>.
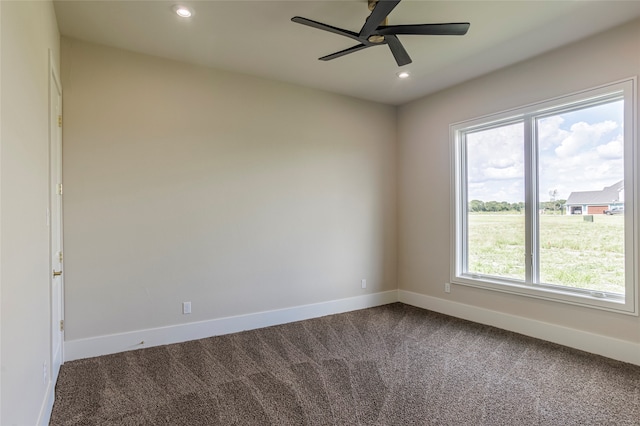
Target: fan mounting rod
<point>376,38</point>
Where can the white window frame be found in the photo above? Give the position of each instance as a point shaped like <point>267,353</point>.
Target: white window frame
<point>627,304</point>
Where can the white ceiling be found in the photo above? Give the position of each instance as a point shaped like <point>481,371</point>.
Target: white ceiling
<point>258,38</point>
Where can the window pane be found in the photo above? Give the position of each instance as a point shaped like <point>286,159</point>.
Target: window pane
<point>495,195</point>
<point>581,193</point>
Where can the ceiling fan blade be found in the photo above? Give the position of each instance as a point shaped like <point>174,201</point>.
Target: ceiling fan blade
<point>382,9</point>
<point>459,28</point>
<point>325,27</point>
<point>345,52</point>
<point>401,55</point>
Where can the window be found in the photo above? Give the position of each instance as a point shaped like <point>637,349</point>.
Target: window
<point>544,200</point>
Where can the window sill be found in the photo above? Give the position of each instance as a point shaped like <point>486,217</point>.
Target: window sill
<point>589,299</point>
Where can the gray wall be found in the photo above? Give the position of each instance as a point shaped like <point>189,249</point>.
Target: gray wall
<point>424,214</point>
<point>235,193</point>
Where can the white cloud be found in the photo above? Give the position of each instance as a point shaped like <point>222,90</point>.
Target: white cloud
<point>496,154</point>
<point>514,172</point>
<point>549,132</point>
<point>501,163</point>
<point>583,136</point>
<point>612,150</point>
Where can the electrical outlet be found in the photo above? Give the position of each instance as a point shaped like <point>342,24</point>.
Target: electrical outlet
<point>447,287</point>
<point>186,307</point>
<point>363,283</point>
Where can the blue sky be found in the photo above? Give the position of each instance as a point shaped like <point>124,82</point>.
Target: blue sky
<point>578,151</point>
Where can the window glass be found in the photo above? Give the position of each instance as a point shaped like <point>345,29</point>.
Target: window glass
<point>495,194</point>
<point>581,175</point>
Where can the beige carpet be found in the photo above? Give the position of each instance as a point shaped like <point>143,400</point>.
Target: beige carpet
<point>390,365</point>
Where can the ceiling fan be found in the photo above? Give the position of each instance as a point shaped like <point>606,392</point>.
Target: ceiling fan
<point>375,31</point>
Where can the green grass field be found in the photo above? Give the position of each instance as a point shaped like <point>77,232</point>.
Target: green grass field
<point>573,252</point>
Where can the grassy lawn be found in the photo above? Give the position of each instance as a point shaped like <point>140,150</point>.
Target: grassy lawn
<point>573,252</point>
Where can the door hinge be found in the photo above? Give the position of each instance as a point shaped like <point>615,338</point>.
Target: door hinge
<point>59,121</point>
<point>60,257</point>
<point>61,325</point>
<point>59,189</point>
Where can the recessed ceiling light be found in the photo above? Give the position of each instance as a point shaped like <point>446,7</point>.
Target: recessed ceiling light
<point>403,75</point>
<point>182,11</point>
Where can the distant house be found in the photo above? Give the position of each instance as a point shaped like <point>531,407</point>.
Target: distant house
<point>596,202</point>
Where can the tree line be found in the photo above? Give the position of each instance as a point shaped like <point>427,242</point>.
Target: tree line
<point>504,206</point>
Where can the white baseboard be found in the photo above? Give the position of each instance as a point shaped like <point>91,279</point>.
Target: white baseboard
<point>47,404</point>
<point>589,342</point>
<point>121,342</point>
<point>620,350</point>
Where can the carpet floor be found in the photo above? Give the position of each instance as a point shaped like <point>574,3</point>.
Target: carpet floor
<point>389,365</point>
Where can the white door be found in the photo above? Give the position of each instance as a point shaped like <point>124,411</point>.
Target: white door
<point>55,208</point>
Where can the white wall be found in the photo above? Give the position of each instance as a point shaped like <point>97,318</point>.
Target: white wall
<point>0,211</point>
<point>238,194</point>
<point>424,171</point>
<point>28,31</point>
